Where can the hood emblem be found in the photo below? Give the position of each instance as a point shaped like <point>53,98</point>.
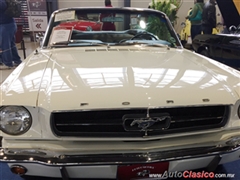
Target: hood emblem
<point>146,123</point>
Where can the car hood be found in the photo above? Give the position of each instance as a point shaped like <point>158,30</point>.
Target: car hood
<point>21,87</point>
<point>93,78</point>
<point>119,77</point>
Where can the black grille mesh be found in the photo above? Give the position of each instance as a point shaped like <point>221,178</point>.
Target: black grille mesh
<point>109,123</point>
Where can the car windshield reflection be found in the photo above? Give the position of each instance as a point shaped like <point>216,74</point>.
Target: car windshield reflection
<point>94,27</point>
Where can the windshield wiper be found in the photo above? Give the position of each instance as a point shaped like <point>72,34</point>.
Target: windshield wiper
<point>80,42</point>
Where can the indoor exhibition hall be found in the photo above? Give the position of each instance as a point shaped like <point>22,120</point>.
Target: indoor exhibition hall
<point>119,89</point>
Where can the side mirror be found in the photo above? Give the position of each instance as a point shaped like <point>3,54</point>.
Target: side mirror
<point>232,29</point>
<point>39,38</point>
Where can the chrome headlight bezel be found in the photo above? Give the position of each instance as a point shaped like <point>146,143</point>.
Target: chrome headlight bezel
<point>18,116</point>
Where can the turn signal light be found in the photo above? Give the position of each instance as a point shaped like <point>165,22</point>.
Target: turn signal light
<point>17,169</point>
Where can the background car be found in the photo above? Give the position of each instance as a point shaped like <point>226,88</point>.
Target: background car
<point>83,25</point>
<point>185,34</point>
<point>83,22</point>
<point>224,48</point>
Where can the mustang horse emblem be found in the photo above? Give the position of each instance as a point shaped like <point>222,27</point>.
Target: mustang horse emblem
<point>145,123</point>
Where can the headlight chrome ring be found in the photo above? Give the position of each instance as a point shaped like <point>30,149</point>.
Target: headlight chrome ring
<point>15,120</point>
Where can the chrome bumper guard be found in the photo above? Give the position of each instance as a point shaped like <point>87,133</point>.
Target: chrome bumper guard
<point>55,159</point>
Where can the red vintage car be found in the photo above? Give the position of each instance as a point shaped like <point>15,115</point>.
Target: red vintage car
<point>83,25</point>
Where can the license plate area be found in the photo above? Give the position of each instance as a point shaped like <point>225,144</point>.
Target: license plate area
<point>141,171</point>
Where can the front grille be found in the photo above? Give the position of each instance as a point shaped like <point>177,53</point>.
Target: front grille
<point>111,123</point>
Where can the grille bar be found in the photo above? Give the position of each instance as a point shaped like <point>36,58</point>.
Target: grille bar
<point>110,123</point>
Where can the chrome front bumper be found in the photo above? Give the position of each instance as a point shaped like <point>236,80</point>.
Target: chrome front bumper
<point>105,165</point>
<point>50,158</point>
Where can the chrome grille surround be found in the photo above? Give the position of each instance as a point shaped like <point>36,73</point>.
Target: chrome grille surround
<point>111,123</point>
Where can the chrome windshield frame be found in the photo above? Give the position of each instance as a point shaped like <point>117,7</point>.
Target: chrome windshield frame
<point>127,10</point>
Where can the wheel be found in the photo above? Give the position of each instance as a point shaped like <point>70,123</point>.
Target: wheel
<point>144,35</point>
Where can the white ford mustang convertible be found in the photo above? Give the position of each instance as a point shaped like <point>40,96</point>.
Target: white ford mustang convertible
<point>111,93</point>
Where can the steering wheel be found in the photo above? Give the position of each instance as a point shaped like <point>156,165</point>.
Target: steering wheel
<point>144,35</point>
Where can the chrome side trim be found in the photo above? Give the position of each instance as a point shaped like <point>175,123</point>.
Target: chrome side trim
<point>57,159</point>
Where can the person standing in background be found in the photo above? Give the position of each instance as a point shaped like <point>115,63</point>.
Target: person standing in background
<point>108,3</point>
<point>195,17</point>
<point>225,30</point>
<point>108,26</point>
<point>209,19</point>
<point>8,28</point>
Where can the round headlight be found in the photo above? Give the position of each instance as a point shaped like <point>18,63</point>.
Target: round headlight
<point>15,120</point>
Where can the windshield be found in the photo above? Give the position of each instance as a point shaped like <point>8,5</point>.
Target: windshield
<point>109,26</point>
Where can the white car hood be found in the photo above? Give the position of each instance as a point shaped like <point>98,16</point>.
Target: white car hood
<point>22,86</point>
<point>127,77</point>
